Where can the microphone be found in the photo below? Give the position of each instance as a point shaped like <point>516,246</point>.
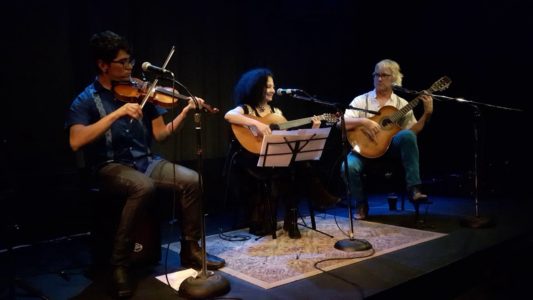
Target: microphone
<point>281,92</point>
<point>148,67</point>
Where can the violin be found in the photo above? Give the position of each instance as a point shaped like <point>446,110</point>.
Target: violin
<point>134,90</point>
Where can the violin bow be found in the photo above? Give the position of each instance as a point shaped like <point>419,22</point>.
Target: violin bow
<point>152,87</point>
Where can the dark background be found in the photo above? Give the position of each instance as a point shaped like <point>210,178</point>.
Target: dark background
<point>327,48</point>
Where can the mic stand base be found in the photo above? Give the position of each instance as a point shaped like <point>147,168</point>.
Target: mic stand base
<point>352,245</point>
<point>476,222</point>
<point>204,286</point>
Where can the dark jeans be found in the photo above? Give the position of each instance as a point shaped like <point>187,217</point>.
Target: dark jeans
<point>404,146</point>
<point>138,189</point>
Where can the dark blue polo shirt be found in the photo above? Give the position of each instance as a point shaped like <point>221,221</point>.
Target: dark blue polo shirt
<point>125,142</point>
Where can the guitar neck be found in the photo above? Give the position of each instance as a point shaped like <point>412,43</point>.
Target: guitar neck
<point>409,106</point>
<point>438,85</point>
<point>294,123</point>
<point>395,117</point>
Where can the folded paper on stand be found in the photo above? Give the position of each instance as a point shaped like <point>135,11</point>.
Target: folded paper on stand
<point>305,144</point>
<point>175,279</point>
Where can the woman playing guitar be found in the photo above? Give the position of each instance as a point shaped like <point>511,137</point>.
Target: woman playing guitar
<point>251,119</point>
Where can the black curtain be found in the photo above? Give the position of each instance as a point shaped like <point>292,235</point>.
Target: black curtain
<point>327,48</point>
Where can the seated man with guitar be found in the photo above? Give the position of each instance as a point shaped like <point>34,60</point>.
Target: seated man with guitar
<point>394,130</point>
<point>252,118</point>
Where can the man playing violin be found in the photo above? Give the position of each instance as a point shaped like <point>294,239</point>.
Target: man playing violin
<point>116,138</point>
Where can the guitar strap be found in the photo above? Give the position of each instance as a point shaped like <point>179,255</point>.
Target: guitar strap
<point>108,136</point>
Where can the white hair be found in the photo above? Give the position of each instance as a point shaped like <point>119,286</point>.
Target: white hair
<point>390,64</point>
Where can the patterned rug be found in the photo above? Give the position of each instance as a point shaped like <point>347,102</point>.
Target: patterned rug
<point>269,263</point>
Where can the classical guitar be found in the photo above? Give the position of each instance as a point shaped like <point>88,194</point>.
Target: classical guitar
<point>388,119</point>
<point>251,140</point>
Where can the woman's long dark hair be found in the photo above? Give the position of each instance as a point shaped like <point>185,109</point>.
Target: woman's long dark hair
<point>249,90</point>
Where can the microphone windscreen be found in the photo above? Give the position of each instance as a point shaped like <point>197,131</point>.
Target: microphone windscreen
<point>146,65</point>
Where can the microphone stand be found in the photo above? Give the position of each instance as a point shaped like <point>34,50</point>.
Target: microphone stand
<point>350,244</point>
<point>206,284</point>
<point>475,221</point>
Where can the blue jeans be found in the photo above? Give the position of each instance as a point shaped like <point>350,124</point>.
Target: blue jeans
<point>404,146</point>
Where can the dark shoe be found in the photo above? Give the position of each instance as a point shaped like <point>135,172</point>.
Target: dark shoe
<point>415,195</point>
<point>290,224</point>
<point>361,211</point>
<point>191,257</point>
<point>122,285</point>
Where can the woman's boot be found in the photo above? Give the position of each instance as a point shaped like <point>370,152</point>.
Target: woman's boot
<point>290,224</point>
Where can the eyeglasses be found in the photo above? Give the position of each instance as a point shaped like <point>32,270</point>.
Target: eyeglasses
<point>383,75</point>
<point>124,62</point>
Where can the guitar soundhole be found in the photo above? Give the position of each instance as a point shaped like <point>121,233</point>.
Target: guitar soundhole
<point>386,122</point>
<point>274,127</point>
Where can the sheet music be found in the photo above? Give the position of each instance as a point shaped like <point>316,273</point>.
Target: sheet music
<point>311,144</point>
<point>177,277</point>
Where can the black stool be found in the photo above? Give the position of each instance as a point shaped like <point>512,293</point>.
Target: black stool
<point>146,235</point>
<point>105,214</point>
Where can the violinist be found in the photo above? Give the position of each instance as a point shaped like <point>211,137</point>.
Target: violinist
<point>119,154</point>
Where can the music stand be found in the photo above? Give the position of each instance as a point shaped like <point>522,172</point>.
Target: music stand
<point>283,148</point>
<point>350,244</point>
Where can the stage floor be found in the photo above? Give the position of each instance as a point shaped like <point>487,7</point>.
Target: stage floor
<point>467,263</point>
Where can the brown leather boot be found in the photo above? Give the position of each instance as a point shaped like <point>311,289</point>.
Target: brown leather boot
<point>122,284</point>
<point>191,257</point>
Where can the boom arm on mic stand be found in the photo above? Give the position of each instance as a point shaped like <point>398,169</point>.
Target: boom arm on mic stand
<point>293,93</point>
<point>309,98</point>
<point>456,99</point>
<point>365,110</point>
